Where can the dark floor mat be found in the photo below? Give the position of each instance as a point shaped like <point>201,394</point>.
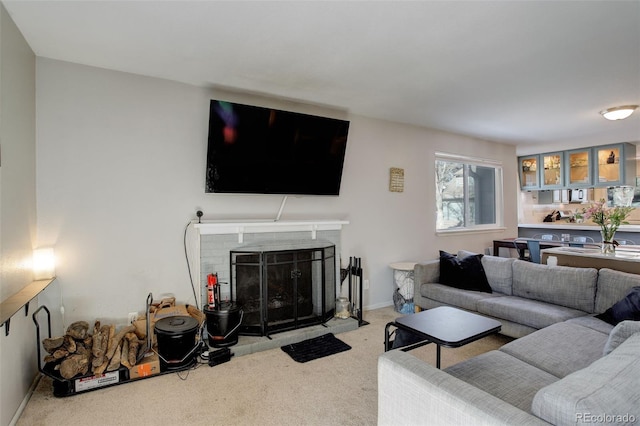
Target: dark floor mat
<point>315,348</point>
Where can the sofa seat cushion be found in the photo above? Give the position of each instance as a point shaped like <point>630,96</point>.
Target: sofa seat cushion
<point>465,299</point>
<point>525,311</point>
<point>559,349</point>
<point>592,322</point>
<point>559,285</point>
<point>504,377</point>
<point>608,387</point>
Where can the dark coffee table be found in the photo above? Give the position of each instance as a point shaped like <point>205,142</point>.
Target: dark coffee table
<point>444,326</point>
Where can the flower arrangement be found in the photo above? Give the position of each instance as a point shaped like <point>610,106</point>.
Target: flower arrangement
<point>609,219</point>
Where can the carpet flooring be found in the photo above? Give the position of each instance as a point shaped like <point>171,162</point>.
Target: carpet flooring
<point>263,388</point>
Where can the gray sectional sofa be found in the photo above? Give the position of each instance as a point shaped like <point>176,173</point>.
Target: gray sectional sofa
<point>565,367</point>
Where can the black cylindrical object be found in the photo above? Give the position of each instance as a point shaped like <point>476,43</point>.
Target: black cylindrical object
<point>223,324</point>
<point>176,341</point>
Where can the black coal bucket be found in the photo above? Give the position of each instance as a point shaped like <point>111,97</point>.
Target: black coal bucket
<point>176,341</point>
<point>223,324</point>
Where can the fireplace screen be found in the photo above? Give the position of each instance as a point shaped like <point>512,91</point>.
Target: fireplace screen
<point>283,287</point>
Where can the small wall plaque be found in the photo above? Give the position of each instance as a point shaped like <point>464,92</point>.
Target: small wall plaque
<point>396,179</point>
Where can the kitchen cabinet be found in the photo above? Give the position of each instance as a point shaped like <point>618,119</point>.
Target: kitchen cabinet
<point>552,176</point>
<point>578,164</point>
<point>529,171</point>
<point>598,166</point>
<point>614,165</point>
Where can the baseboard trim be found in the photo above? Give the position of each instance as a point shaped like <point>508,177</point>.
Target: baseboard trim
<point>25,400</point>
<point>378,306</point>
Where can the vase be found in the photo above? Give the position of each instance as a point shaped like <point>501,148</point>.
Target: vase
<point>608,245</point>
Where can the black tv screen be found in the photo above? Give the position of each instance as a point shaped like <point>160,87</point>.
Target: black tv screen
<point>258,150</point>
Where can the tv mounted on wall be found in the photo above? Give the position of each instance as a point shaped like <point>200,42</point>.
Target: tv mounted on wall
<point>256,150</point>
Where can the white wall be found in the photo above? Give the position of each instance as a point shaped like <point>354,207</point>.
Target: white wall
<point>17,210</point>
<point>121,166</point>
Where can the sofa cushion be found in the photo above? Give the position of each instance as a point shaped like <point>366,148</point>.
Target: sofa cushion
<point>606,392</point>
<point>560,285</point>
<point>626,309</point>
<point>464,253</point>
<point>525,311</point>
<point>592,322</point>
<point>466,273</point>
<point>612,287</point>
<point>504,377</point>
<point>499,273</point>
<point>464,299</point>
<point>619,334</point>
<point>559,349</point>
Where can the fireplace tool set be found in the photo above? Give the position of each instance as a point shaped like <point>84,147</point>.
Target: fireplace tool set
<point>354,273</point>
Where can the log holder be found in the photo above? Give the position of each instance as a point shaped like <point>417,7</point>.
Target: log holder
<point>83,383</point>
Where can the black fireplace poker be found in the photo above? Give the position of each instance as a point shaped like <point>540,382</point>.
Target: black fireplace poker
<point>355,288</point>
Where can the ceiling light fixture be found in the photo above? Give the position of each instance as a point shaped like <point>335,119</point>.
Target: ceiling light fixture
<point>618,113</point>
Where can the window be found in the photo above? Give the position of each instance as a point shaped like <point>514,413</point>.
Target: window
<point>468,193</point>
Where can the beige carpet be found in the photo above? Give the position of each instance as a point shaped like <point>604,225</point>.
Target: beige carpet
<point>265,388</point>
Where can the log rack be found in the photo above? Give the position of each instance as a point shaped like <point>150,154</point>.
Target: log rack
<point>83,383</point>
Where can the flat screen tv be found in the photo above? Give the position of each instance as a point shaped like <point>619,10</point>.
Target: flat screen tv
<point>256,150</point>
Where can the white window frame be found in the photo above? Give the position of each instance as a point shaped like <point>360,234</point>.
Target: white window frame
<point>499,193</point>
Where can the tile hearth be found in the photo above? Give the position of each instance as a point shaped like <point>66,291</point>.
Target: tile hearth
<point>251,344</point>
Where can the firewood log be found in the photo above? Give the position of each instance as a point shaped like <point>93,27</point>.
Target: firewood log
<point>83,350</point>
<point>124,355</point>
<point>100,346</point>
<point>70,344</point>
<point>134,346</point>
<point>115,340</point>
<point>100,368</point>
<point>97,338</point>
<point>60,353</point>
<point>114,363</point>
<point>73,365</point>
<point>88,342</point>
<point>78,330</point>
<point>52,343</point>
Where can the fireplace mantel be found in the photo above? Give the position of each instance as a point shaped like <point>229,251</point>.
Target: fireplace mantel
<point>261,226</point>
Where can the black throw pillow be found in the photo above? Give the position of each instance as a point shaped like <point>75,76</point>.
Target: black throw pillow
<point>466,273</point>
<point>625,309</point>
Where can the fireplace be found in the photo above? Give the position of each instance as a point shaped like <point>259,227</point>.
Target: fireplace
<point>284,285</point>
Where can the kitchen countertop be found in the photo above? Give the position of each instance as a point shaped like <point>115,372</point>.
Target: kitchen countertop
<point>625,259</point>
<point>575,226</point>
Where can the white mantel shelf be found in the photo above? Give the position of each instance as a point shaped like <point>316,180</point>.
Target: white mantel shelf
<point>261,226</point>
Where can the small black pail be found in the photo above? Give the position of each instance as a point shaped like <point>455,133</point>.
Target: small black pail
<point>223,324</point>
<point>176,341</point>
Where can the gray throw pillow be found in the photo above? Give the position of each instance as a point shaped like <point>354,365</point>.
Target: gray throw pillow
<point>619,334</point>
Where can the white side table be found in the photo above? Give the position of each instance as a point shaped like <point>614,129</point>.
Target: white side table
<point>403,278</point>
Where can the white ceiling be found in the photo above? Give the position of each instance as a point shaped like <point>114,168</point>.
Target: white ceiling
<point>531,73</point>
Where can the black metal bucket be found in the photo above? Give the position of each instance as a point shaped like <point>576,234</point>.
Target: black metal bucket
<point>176,341</point>
<point>223,324</point>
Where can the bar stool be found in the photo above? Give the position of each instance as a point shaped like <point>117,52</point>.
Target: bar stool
<point>580,241</point>
<point>533,246</point>
<point>546,237</point>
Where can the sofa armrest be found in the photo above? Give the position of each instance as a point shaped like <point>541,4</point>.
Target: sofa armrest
<point>424,273</point>
<point>410,391</point>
